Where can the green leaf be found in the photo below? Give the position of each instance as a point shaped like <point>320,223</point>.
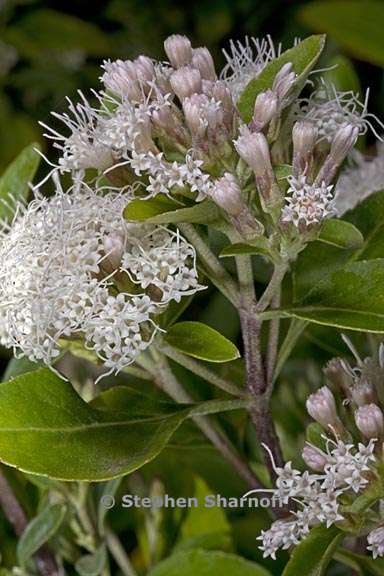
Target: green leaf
<point>340,234</point>
<point>357,25</point>
<point>39,531</point>
<point>161,210</point>
<point>258,246</point>
<point>351,298</point>
<point>201,341</point>
<point>207,563</point>
<point>363,564</point>
<point>47,429</point>
<point>92,564</point>
<point>303,57</point>
<point>14,182</point>
<point>202,519</point>
<point>313,555</point>
<point>318,260</point>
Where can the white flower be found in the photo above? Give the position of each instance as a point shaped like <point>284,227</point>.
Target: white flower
<point>307,204</point>
<point>60,264</point>
<point>376,542</point>
<point>245,61</point>
<point>330,109</point>
<point>317,495</point>
<point>83,148</point>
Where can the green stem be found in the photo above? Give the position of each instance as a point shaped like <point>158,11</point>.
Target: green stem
<point>201,370</point>
<point>212,266</point>
<point>273,343</point>
<point>273,287</point>
<point>119,554</point>
<point>295,330</point>
<point>167,381</point>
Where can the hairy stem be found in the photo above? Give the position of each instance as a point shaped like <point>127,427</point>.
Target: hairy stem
<point>201,370</point>
<point>167,381</point>
<point>256,377</point>
<point>212,266</point>
<point>45,561</point>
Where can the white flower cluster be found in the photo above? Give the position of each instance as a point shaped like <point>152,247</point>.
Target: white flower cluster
<point>329,110</point>
<point>71,267</point>
<point>307,204</point>
<point>359,180</point>
<point>344,469</point>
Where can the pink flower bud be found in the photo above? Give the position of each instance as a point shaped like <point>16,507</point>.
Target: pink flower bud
<point>178,48</point>
<point>284,81</point>
<point>322,407</point>
<point>304,135</point>
<point>186,81</point>
<point>227,194</point>
<point>314,457</point>
<point>145,69</point>
<point>203,61</point>
<point>370,421</point>
<point>265,109</point>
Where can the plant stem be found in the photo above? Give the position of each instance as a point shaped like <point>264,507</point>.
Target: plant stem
<point>201,370</point>
<point>273,287</point>
<point>45,560</point>
<point>213,268</point>
<point>273,342</point>
<point>295,330</point>
<point>119,554</point>
<point>256,379</point>
<point>166,380</point>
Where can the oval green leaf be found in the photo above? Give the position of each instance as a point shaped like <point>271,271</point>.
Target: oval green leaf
<point>201,341</point>
<point>313,555</point>
<point>161,210</point>
<point>14,182</point>
<point>47,429</point>
<point>303,57</point>
<point>39,531</point>
<point>340,234</point>
<point>350,298</point>
<point>207,563</point>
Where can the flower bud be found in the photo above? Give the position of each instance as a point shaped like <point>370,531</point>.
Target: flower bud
<point>304,136</point>
<point>370,421</point>
<point>221,93</point>
<point>314,457</point>
<point>227,194</point>
<point>145,69</point>
<point>363,392</point>
<point>322,407</point>
<point>178,48</point>
<point>342,143</point>
<point>186,81</point>
<point>284,81</point>
<point>344,140</point>
<point>120,77</point>
<point>339,373</point>
<point>192,107</point>
<point>254,150</point>
<point>265,109</point>
<point>203,61</point>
